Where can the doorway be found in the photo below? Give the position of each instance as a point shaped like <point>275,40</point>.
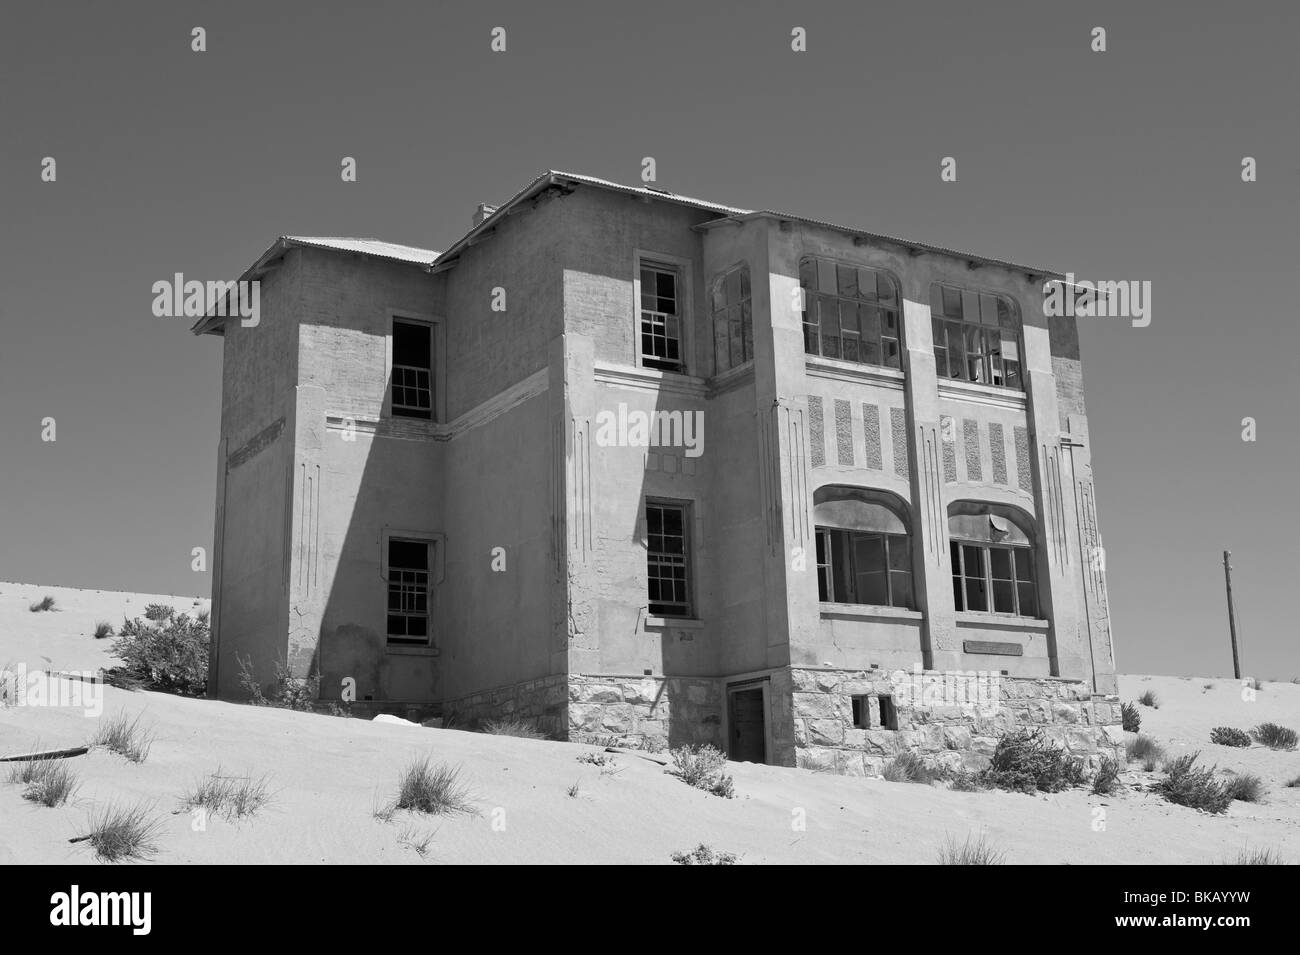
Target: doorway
<point>746,725</point>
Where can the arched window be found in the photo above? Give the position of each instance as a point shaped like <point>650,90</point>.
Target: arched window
<point>976,336</point>
<point>864,551</point>
<point>850,313</point>
<point>992,552</point>
<point>733,323</point>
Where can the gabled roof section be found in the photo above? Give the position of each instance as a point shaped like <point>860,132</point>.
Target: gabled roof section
<point>560,182</point>
<point>392,251</point>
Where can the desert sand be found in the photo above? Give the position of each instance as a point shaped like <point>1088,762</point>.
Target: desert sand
<point>327,774</point>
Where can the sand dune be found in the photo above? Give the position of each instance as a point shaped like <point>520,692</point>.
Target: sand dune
<point>328,773</point>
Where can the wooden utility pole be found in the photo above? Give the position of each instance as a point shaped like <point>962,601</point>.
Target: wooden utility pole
<point>1232,616</point>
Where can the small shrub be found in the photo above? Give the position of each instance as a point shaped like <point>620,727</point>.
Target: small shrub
<point>436,790</point>
<point>1150,699</point>
<point>1130,717</point>
<point>50,782</point>
<point>967,782</point>
<point>1024,761</point>
<point>1293,783</point>
<point>231,796</point>
<point>1107,779</point>
<point>122,832</point>
<point>1208,686</point>
<point>524,729</point>
<point>125,737</point>
<point>1144,750</point>
<point>159,613</point>
<point>42,605</point>
<point>1274,736</point>
<point>1229,736</point>
<point>288,692</point>
<point>596,759</point>
<point>169,655</point>
<point>1186,784</point>
<point>1258,857</point>
<point>908,768</point>
<point>977,852</point>
<point>203,615</point>
<point>103,629</point>
<point>573,791</point>
<point>704,855</point>
<point>704,768</point>
<point>1245,787</point>
<point>419,841</point>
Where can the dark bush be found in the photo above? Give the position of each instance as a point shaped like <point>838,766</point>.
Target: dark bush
<point>1024,761</point>
<point>1274,736</point>
<point>169,654</point>
<point>1188,785</point>
<point>1229,736</point>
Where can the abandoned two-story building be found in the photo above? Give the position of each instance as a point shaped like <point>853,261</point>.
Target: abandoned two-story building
<point>640,466</point>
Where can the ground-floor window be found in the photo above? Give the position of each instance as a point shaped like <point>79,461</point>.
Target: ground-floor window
<point>668,555</point>
<point>408,591</point>
<point>864,568</point>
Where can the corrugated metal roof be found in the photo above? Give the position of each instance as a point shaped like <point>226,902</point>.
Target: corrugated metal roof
<point>385,250</point>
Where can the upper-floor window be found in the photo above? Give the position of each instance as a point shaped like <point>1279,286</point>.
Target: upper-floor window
<point>975,337</point>
<point>668,558</point>
<point>850,313</point>
<point>412,369</point>
<point>733,322</point>
<point>661,317</point>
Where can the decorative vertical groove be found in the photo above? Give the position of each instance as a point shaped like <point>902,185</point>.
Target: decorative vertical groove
<point>581,536</point>
<point>1054,505</point>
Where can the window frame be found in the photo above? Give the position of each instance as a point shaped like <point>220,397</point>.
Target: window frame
<point>684,271</point>
<point>990,333</point>
<point>744,307</point>
<point>437,364</point>
<point>406,639</point>
<point>684,609</point>
<point>812,301</point>
<point>957,555</point>
<point>826,549</point>
<point>436,544</point>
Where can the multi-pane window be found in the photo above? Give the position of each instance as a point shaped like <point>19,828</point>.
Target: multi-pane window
<point>864,568</point>
<point>408,591</point>
<point>733,324</point>
<point>850,313</point>
<point>993,578</point>
<point>412,369</point>
<point>975,337</point>
<point>661,317</point>
<point>668,558</point>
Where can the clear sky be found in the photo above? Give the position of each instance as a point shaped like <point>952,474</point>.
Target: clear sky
<point>1117,165</point>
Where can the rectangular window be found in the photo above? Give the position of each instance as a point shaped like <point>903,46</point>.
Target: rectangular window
<point>408,592</point>
<point>861,568</point>
<point>861,712</point>
<point>661,318</point>
<point>668,558</point>
<point>850,313</point>
<point>975,337</point>
<point>888,713</point>
<point>733,324</point>
<point>412,369</point>
<point>993,578</point>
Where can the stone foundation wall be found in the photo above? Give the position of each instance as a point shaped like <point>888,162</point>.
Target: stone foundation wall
<point>645,711</point>
<point>544,701</point>
<point>935,721</point>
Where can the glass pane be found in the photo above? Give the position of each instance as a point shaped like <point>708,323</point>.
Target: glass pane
<point>1000,563</point>
<point>1005,318</point>
<point>900,584</point>
<point>870,322</point>
<point>737,339</point>
<point>744,282</point>
<point>747,331</point>
<point>970,307</point>
<point>871,589</point>
<point>900,557</point>
<point>972,560</point>
<point>1011,374</point>
<point>648,299</point>
<point>719,295</point>
<point>811,341</point>
<point>1024,563</point>
<point>989,311</point>
<point>940,332</point>
<point>1028,600</point>
<point>868,553</point>
<point>869,353</point>
<point>1004,596</point>
<point>830,320</point>
<point>847,281</point>
<point>826,276</point>
<point>733,287</point>
<point>889,322</point>
<point>976,598</point>
<point>866,283</point>
<point>891,356</point>
<point>849,317</point>
<point>720,350</point>
<point>951,302</point>
<point>807,273</point>
<point>956,352</point>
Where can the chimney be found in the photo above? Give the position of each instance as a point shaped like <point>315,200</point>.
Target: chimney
<point>483,211</point>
